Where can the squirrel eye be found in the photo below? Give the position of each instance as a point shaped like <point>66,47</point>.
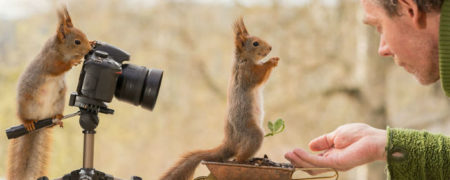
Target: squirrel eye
<point>255,43</point>
<point>77,42</point>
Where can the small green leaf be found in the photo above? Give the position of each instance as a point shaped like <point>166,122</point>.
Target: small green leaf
<point>282,128</point>
<point>276,128</point>
<point>278,125</point>
<point>270,125</point>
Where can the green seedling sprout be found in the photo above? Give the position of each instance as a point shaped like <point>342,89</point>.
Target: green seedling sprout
<point>276,128</point>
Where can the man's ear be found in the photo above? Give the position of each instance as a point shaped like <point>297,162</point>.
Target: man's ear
<point>240,33</point>
<point>410,9</point>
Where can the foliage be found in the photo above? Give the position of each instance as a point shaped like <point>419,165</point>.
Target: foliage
<point>275,128</point>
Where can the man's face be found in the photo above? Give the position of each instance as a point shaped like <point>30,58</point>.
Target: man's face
<point>413,46</point>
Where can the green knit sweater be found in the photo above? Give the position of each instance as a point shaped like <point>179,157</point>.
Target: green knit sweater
<point>423,155</point>
<point>444,47</point>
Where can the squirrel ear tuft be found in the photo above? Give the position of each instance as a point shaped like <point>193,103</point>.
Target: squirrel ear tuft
<point>64,23</point>
<point>240,33</point>
<point>61,31</point>
<point>242,26</point>
<point>68,19</point>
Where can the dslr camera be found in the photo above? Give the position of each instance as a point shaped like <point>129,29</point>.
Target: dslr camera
<point>104,75</point>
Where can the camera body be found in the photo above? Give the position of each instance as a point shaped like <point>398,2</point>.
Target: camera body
<point>104,75</point>
<point>101,73</point>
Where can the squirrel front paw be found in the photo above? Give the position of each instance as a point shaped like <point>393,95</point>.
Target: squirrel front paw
<point>59,122</point>
<point>29,125</point>
<point>273,61</point>
<point>75,62</point>
<point>92,43</point>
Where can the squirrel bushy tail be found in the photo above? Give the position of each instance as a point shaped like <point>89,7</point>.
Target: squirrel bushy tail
<point>29,149</point>
<point>184,169</point>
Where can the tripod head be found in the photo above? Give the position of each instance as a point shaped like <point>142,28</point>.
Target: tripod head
<point>89,109</point>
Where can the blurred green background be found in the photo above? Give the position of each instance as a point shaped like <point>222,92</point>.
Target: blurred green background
<point>329,74</point>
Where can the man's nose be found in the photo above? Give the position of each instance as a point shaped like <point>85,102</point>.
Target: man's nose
<point>383,49</point>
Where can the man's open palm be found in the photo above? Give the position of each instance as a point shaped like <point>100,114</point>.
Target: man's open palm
<point>348,146</point>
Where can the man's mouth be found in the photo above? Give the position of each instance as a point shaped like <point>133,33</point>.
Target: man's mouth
<point>397,61</point>
<point>409,69</point>
<point>405,66</point>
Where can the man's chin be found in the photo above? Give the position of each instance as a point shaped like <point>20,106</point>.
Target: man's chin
<point>426,80</point>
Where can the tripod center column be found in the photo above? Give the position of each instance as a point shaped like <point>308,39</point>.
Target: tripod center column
<point>88,152</point>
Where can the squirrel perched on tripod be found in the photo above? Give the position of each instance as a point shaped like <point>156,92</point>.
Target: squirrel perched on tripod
<point>41,94</point>
<point>243,131</point>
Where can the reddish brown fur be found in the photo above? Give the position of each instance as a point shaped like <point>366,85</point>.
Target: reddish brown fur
<point>243,131</point>
<point>59,67</point>
<point>41,94</point>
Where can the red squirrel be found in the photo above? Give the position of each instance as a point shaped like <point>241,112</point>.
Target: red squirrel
<point>41,94</point>
<point>243,127</point>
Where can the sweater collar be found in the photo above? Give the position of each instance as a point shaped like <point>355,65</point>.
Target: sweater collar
<point>444,47</point>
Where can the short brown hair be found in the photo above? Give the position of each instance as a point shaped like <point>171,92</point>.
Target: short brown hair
<point>391,6</point>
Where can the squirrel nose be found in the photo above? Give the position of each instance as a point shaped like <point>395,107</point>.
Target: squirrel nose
<point>270,48</point>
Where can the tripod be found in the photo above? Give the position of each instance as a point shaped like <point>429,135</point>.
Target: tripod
<point>89,120</point>
<point>89,109</point>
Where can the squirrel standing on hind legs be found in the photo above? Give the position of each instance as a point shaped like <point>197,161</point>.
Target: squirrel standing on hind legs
<point>243,131</point>
<point>41,94</point>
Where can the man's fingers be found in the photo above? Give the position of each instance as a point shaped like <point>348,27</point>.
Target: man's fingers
<point>323,142</point>
<point>316,161</point>
<point>298,162</point>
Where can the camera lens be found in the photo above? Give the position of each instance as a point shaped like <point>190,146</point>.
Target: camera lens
<point>139,85</point>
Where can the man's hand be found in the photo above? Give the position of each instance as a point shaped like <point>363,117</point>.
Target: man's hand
<point>346,147</point>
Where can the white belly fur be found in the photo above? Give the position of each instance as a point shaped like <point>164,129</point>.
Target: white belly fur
<point>48,96</point>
